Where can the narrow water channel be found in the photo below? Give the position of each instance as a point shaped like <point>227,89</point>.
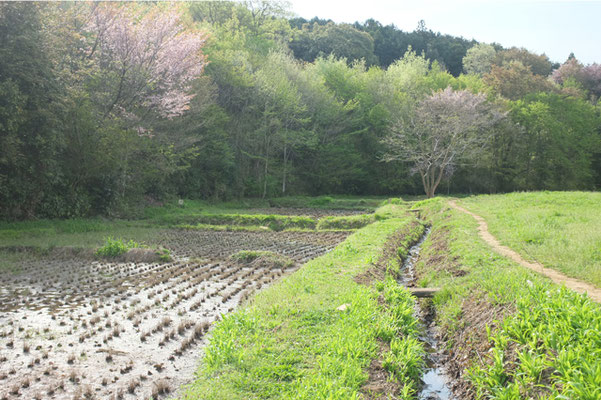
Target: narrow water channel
<point>435,382</point>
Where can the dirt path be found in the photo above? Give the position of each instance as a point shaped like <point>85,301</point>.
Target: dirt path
<point>557,277</point>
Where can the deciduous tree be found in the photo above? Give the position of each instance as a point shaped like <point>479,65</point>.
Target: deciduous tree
<point>479,59</point>
<point>515,80</point>
<point>147,60</point>
<point>445,129</point>
<point>539,63</point>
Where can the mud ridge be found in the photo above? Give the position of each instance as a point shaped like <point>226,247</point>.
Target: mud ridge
<point>390,255</point>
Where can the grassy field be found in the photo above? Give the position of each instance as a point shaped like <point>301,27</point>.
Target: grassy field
<point>561,230</point>
<point>511,333</point>
<point>293,342</point>
<point>247,214</point>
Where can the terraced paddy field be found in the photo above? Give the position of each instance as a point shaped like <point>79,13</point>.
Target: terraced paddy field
<point>306,303</point>
<point>73,325</point>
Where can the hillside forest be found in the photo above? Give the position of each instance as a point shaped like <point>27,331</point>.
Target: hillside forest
<point>106,107</point>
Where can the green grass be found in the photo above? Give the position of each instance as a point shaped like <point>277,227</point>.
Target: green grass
<point>91,239</point>
<point>10,262</point>
<point>273,222</point>
<point>329,202</point>
<point>14,231</point>
<point>548,344</point>
<point>389,209</point>
<point>196,206</point>
<point>242,215</point>
<point>561,230</point>
<point>292,342</point>
<point>345,222</point>
<point>224,228</point>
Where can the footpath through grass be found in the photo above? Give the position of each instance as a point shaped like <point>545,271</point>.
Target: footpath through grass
<point>293,342</point>
<point>511,333</point>
<point>561,230</point>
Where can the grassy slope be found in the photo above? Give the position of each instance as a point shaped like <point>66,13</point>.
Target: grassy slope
<point>561,230</point>
<point>291,342</point>
<point>549,343</point>
<point>329,202</point>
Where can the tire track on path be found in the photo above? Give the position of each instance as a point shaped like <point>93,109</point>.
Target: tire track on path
<point>571,283</point>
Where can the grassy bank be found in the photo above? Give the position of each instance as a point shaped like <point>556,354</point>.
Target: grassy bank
<point>511,333</point>
<point>242,215</point>
<point>296,341</point>
<point>329,202</point>
<point>270,221</point>
<point>561,230</point>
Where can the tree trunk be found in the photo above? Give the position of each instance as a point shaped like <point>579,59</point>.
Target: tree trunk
<point>266,141</point>
<point>265,176</point>
<point>125,170</point>
<point>284,177</point>
<point>427,182</point>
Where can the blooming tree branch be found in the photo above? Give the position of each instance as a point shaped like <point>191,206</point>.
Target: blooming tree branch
<point>444,128</point>
<point>146,60</point>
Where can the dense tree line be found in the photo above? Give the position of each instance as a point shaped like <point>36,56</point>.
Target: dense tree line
<point>107,106</point>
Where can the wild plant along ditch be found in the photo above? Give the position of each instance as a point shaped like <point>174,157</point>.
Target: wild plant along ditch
<point>434,379</point>
<point>341,327</point>
<point>509,332</point>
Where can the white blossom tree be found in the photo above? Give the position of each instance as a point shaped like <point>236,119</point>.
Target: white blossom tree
<point>146,59</point>
<point>446,128</point>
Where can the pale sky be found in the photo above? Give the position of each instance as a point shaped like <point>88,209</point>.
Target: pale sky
<point>553,27</point>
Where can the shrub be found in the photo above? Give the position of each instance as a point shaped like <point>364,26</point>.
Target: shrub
<point>115,247</point>
<point>321,201</point>
<point>164,255</point>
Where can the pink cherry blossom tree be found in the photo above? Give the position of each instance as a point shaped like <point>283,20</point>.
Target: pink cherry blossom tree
<point>586,77</point>
<point>592,79</point>
<point>570,70</point>
<point>146,60</point>
<point>443,129</point>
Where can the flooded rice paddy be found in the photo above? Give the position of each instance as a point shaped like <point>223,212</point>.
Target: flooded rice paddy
<point>75,328</point>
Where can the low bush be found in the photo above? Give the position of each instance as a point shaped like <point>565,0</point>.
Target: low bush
<point>115,247</point>
<point>321,201</point>
<point>164,255</point>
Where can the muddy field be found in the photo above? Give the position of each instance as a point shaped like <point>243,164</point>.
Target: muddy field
<point>74,328</point>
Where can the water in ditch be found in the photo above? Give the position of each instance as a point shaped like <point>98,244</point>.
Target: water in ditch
<point>435,382</point>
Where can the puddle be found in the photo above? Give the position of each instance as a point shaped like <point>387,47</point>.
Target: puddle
<point>434,379</point>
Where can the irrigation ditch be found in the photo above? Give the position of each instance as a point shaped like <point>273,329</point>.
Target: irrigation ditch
<point>435,380</point>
